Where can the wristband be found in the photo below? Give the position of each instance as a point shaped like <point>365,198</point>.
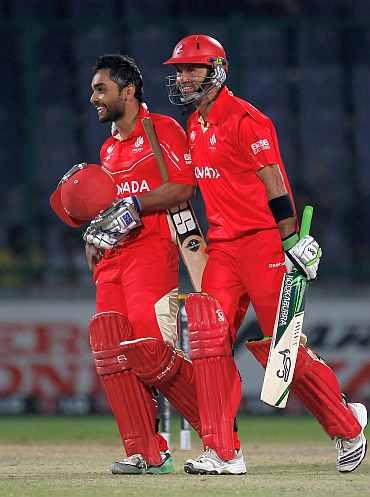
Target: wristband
<point>281,207</point>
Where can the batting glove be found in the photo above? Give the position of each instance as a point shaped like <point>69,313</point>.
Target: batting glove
<point>303,255</point>
<point>120,219</point>
<point>102,239</point>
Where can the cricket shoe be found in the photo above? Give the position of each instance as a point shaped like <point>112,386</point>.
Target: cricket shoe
<point>351,452</point>
<point>136,465</point>
<point>208,463</point>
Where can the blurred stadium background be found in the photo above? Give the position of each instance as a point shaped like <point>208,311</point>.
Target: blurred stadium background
<point>306,63</point>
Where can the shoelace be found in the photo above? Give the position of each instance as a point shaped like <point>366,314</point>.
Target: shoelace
<point>343,444</point>
<point>205,454</point>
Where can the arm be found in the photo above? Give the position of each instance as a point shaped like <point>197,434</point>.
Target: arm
<point>274,183</point>
<point>165,196</point>
<point>304,254</point>
<point>93,256</point>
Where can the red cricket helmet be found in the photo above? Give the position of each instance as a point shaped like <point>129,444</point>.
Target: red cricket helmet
<point>197,49</point>
<point>82,193</point>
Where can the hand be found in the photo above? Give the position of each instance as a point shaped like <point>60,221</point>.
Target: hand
<point>121,218</point>
<point>103,240</point>
<point>302,254</point>
<point>93,256</point>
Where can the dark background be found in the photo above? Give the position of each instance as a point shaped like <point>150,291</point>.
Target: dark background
<point>304,63</point>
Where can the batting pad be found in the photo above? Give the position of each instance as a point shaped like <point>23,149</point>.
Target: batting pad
<point>132,403</point>
<point>216,377</point>
<point>160,365</point>
<point>317,387</point>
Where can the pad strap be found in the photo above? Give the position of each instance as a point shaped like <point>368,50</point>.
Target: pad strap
<point>158,364</point>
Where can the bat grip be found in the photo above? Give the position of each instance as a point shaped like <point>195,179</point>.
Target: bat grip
<point>306,221</point>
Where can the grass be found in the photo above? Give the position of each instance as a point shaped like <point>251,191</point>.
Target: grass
<point>42,456</point>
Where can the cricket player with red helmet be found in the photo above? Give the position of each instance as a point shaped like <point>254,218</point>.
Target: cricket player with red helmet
<point>252,238</point>
<point>132,252</point>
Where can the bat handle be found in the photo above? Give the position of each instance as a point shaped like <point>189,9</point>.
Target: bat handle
<point>306,221</point>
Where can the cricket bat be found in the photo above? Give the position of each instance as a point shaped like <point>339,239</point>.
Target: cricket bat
<point>189,236</point>
<point>287,331</point>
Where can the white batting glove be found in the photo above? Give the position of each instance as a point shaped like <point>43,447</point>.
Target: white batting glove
<point>102,239</point>
<point>302,254</point>
<point>121,218</point>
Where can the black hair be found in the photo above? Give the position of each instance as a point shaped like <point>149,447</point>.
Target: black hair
<point>123,71</point>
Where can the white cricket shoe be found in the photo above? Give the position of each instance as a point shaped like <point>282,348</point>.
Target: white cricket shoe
<point>208,463</point>
<point>351,452</point>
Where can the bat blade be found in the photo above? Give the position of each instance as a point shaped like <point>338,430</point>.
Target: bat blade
<point>190,240</point>
<point>287,331</point>
<point>285,341</point>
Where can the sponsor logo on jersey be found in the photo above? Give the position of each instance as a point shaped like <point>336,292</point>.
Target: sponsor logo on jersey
<point>132,187</point>
<point>187,158</point>
<point>138,146</point>
<point>273,265</point>
<point>192,136</point>
<point>206,172</point>
<point>213,140</point>
<point>260,145</point>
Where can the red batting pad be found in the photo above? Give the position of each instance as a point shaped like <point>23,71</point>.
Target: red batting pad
<point>216,377</point>
<point>132,403</point>
<point>157,363</point>
<point>317,387</point>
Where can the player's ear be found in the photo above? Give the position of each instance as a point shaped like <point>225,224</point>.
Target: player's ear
<point>129,91</point>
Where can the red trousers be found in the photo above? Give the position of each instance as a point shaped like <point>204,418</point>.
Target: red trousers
<point>134,279</point>
<point>244,271</point>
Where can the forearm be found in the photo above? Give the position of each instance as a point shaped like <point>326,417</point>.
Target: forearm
<point>287,227</point>
<point>275,189</point>
<point>165,196</point>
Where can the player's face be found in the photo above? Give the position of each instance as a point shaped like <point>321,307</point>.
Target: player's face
<point>189,77</point>
<point>107,98</point>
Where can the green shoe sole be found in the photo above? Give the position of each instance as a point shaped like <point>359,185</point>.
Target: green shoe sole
<point>165,468</point>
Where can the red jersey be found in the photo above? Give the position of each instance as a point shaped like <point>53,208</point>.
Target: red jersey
<point>236,141</point>
<point>131,164</point>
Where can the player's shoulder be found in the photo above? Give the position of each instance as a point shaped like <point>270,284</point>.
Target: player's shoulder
<point>165,123</point>
<point>110,140</point>
<point>249,111</point>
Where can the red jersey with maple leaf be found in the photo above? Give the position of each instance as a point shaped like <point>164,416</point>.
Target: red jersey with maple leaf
<point>236,141</point>
<point>131,164</point>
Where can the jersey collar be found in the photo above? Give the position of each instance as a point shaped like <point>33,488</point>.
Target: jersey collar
<point>138,130</point>
<point>219,109</point>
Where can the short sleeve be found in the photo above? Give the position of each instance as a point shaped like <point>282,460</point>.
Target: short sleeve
<point>256,142</point>
<point>175,148</point>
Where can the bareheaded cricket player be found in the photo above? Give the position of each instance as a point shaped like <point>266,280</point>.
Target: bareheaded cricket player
<point>134,259</point>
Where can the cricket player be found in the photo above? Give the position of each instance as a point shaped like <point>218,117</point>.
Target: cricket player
<point>135,265</point>
<point>252,236</point>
